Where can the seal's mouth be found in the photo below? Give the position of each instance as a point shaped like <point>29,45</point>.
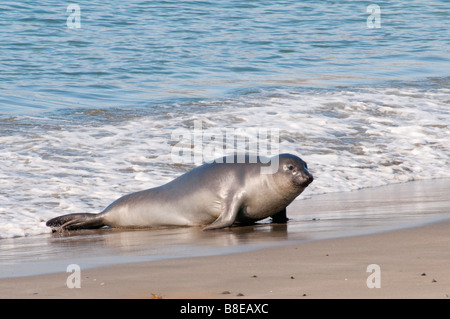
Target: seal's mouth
<point>308,181</point>
<point>305,181</point>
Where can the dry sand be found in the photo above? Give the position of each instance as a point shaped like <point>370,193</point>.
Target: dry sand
<point>413,263</point>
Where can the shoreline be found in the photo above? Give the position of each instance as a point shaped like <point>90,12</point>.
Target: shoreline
<point>323,252</point>
<point>413,263</point>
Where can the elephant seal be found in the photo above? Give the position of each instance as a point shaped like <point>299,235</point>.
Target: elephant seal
<point>216,194</point>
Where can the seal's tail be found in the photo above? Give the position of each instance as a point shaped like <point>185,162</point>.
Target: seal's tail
<point>76,221</point>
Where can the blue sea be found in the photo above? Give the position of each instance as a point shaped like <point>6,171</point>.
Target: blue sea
<point>91,93</point>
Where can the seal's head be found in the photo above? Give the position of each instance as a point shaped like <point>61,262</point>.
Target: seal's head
<point>294,169</point>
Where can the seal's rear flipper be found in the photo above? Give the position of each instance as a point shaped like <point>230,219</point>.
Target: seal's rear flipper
<point>76,221</point>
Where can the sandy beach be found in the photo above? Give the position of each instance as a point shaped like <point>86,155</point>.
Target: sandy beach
<point>102,99</point>
<point>411,259</point>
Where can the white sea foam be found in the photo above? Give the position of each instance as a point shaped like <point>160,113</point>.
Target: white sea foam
<point>351,139</point>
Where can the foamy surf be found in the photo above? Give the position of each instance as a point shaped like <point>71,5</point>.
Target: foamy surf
<point>80,161</point>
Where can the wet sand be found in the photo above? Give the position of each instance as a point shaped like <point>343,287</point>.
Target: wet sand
<point>323,252</point>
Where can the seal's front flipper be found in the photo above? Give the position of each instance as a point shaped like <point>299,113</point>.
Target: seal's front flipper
<point>225,220</point>
<point>228,217</point>
<point>76,221</point>
<point>280,217</point>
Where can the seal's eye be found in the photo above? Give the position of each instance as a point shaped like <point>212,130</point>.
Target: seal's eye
<point>290,167</point>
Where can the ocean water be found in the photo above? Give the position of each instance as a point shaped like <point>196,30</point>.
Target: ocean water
<point>90,107</point>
